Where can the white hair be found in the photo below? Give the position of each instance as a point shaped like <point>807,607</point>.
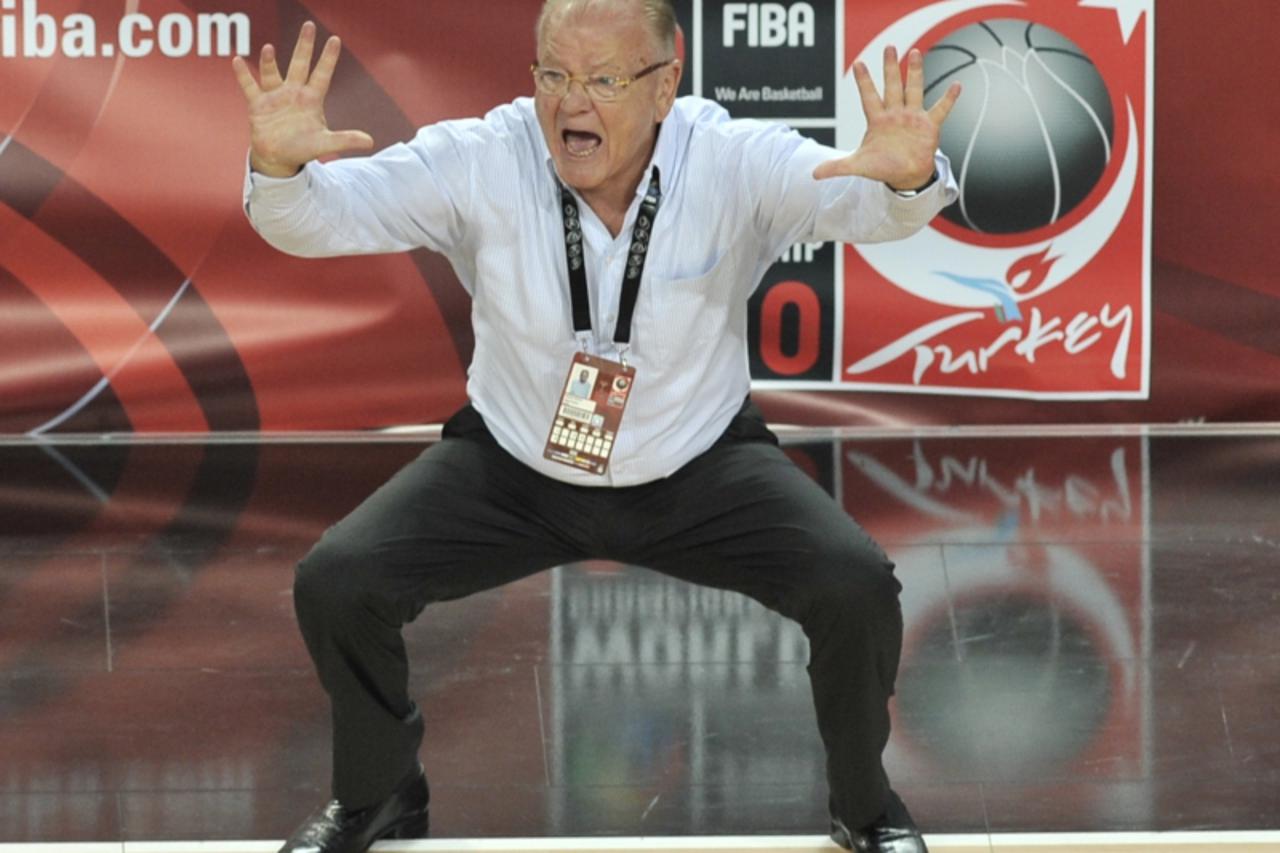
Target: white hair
<point>660,15</point>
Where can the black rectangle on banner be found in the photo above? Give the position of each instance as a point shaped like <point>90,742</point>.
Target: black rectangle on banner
<point>770,60</point>
<point>684,44</point>
<point>791,319</point>
<point>791,316</point>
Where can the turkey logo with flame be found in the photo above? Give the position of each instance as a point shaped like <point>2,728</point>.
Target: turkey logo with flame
<point>1037,282</point>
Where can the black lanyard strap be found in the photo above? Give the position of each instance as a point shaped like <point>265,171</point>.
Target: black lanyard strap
<point>637,254</point>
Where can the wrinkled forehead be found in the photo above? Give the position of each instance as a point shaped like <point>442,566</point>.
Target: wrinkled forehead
<point>594,32</point>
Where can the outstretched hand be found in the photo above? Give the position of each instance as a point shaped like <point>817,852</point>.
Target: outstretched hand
<point>902,136</point>
<point>286,114</point>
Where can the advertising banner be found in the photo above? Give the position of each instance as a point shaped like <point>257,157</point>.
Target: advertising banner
<point>1036,282</point>
<point>135,296</point>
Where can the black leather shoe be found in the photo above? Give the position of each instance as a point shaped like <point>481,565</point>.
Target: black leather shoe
<point>893,832</point>
<point>334,829</point>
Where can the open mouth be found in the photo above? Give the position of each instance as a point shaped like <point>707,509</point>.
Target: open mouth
<point>581,143</point>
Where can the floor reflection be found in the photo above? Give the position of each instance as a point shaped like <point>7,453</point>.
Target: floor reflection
<point>1091,633</point>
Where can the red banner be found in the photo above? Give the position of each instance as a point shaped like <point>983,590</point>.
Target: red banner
<point>1036,281</point>
<point>136,297</point>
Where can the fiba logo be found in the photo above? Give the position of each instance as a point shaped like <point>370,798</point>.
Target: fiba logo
<point>1032,134</point>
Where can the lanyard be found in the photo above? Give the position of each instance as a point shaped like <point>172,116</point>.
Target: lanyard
<point>637,253</point>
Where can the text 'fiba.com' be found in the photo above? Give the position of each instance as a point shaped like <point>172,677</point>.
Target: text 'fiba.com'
<point>28,33</point>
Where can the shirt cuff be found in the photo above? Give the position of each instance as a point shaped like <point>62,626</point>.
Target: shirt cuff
<point>267,191</point>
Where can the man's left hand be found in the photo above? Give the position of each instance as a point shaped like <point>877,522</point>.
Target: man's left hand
<point>902,136</point>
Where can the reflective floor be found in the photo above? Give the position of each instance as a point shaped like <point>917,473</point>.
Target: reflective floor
<point>1092,643</point>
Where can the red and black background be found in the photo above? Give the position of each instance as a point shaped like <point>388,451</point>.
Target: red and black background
<point>120,185</point>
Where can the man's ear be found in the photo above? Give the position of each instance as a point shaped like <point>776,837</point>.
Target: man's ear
<point>678,65</point>
<point>668,87</point>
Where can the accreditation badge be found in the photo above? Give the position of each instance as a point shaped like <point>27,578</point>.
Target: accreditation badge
<point>591,405</point>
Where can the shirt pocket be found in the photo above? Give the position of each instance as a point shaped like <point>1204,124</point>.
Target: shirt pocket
<point>688,312</point>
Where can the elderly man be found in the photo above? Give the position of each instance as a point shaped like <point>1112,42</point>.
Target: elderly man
<point>602,225</point>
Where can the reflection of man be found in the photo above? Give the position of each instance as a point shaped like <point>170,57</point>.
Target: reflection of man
<point>581,387</point>
<point>602,160</point>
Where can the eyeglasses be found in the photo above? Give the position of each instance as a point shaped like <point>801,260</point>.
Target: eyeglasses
<point>599,87</point>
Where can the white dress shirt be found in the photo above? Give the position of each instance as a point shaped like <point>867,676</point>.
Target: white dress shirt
<point>736,194</point>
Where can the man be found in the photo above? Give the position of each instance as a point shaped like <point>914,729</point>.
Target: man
<point>602,224</point>
<point>581,387</point>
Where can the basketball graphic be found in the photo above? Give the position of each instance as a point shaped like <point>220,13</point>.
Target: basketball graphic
<point>1050,158</point>
<point>1033,134</point>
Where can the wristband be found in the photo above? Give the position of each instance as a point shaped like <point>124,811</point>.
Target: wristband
<point>918,190</point>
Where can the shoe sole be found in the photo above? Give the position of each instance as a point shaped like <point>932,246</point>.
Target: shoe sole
<point>416,825</point>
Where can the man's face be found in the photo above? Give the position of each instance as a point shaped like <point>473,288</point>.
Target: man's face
<point>601,149</point>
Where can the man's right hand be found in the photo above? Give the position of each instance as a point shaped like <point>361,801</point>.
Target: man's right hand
<point>286,115</point>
